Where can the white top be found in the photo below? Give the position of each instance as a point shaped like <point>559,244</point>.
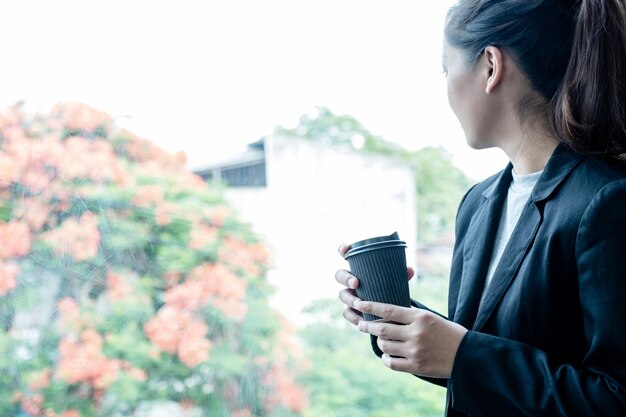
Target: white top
<point>519,193</point>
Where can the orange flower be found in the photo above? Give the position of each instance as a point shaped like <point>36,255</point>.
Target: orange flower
<point>75,364</point>
<point>34,212</point>
<point>164,329</point>
<point>8,277</point>
<point>189,295</point>
<point>172,278</point>
<point>119,289</point>
<point>32,404</point>
<point>68,312</point>
<point>79,238</point>
<point>187,181</point>
<point>145,152</point>
<point>283,391</point>
<point>210,283</point>
<point>101,165</point>
<point>138,374</point>
<point>49,150</point>
<point>81,117</point>
<point>39,380</point>
<point>217,215</point>
<point>104,373</point>
<point>239,254</point>
<point>177,331</point>
<point>15,239</point>
<point>164,212</point>
<point>36,180</point>
<point>60,194</point>
<point>10,170</point>
<point>202,235</point>
<point>66,413</point>
<point>13,133</point>
<point>32,162</point>
<point>83,361</point>
<point>194,351</point>
<point>148,195</point>
<point>13,115</point>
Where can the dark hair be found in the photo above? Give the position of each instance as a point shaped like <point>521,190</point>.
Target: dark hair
<point>573,53</point>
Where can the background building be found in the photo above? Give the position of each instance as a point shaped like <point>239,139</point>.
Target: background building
<point>305,198</point>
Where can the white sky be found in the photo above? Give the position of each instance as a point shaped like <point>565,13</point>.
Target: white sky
<point>208,77</point>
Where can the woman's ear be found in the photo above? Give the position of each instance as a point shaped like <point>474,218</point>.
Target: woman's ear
<point>494,66</point>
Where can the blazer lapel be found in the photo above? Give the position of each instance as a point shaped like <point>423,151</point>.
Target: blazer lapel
<point>478,249</point>
<point>519,244</point>
<point>561,163</point>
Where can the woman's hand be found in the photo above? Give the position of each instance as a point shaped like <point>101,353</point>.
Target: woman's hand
<point>413,340</point>
<point>348,294</point>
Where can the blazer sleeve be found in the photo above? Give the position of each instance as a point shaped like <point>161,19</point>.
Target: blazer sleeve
<point>494,377</point>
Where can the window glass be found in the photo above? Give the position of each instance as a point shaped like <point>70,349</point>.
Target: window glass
<point>175,178</point>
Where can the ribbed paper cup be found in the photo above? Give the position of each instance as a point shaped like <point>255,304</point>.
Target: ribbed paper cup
<point>380,265</point>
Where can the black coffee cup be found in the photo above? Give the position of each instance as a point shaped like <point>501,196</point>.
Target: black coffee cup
<point>379,263</point>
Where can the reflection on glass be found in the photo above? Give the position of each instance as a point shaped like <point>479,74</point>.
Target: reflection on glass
<point>131,287</point>
<point>127,285</point>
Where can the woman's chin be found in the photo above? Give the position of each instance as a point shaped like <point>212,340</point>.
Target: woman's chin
<point>478,143</point>
<point>474,143</point>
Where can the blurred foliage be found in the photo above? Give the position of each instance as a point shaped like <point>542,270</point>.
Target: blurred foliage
<point>439,184</point>
<point>126,282</point>
<point>432,291</point>
<point>346,379</point>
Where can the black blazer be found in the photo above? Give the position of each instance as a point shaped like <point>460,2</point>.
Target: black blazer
<point>549,338</point>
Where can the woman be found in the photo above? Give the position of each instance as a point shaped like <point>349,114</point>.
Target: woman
<point>537,299</point>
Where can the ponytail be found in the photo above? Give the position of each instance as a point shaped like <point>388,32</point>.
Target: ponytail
<point>588,111</point>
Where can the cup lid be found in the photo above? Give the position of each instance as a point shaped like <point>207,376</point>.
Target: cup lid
<point>381,242</point>
<point>393,236</point>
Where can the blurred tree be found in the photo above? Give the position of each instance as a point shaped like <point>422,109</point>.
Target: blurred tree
<point>440,184</point>
<point>440,187</point>
<point>126,282</point>
<point>348,380</point>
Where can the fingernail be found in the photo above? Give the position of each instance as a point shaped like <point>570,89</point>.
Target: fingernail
<point>361,325</point>
<point>357,304</point>
<point>352,282</point>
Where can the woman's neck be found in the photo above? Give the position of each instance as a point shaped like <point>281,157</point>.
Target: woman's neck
<point>529,150</point>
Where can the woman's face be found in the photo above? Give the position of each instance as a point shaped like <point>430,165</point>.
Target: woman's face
<point>466,83</point>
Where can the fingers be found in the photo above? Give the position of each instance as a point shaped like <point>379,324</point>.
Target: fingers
<point>397,364</point>
<point>391,347</point>
<point>343,248</point>
<point>388,312</point>
<point>346,278</point>
<point>352,315</point>
<point>347,295</point>
<point>348,298</point>
<point>410,272</point>
<point>383,329</point>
